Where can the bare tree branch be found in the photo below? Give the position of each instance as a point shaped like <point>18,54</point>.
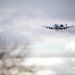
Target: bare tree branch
<point>11,57</point>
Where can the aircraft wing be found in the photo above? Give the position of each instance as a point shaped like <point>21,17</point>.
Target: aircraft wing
<point>48,27</point>
<point>68,27</point>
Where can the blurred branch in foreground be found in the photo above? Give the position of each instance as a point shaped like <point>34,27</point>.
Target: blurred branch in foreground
<point>11,57</point>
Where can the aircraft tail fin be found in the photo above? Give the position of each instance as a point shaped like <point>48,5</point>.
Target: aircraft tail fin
<point>66,25</point>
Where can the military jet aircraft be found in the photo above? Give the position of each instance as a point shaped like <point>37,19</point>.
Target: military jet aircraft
<point>58,27</point>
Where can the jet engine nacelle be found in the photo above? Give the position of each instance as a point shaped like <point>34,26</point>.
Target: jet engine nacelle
<point>61,25</point>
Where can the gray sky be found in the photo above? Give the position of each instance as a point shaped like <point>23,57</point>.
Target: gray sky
<point>24,19</point>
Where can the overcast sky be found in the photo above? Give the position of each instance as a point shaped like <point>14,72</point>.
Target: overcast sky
<point>24,19</point>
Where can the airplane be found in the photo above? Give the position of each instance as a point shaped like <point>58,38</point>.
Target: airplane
<point>58,27</point>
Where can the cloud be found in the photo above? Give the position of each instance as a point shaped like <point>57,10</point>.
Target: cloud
<point>26,18</point>
<point>32,13</point>
<point>62,66</point>
<point>69,49</point>
<point>66,68</point>
<point>70,46</point>
<point>45,72</point>
<point>56,10</point>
